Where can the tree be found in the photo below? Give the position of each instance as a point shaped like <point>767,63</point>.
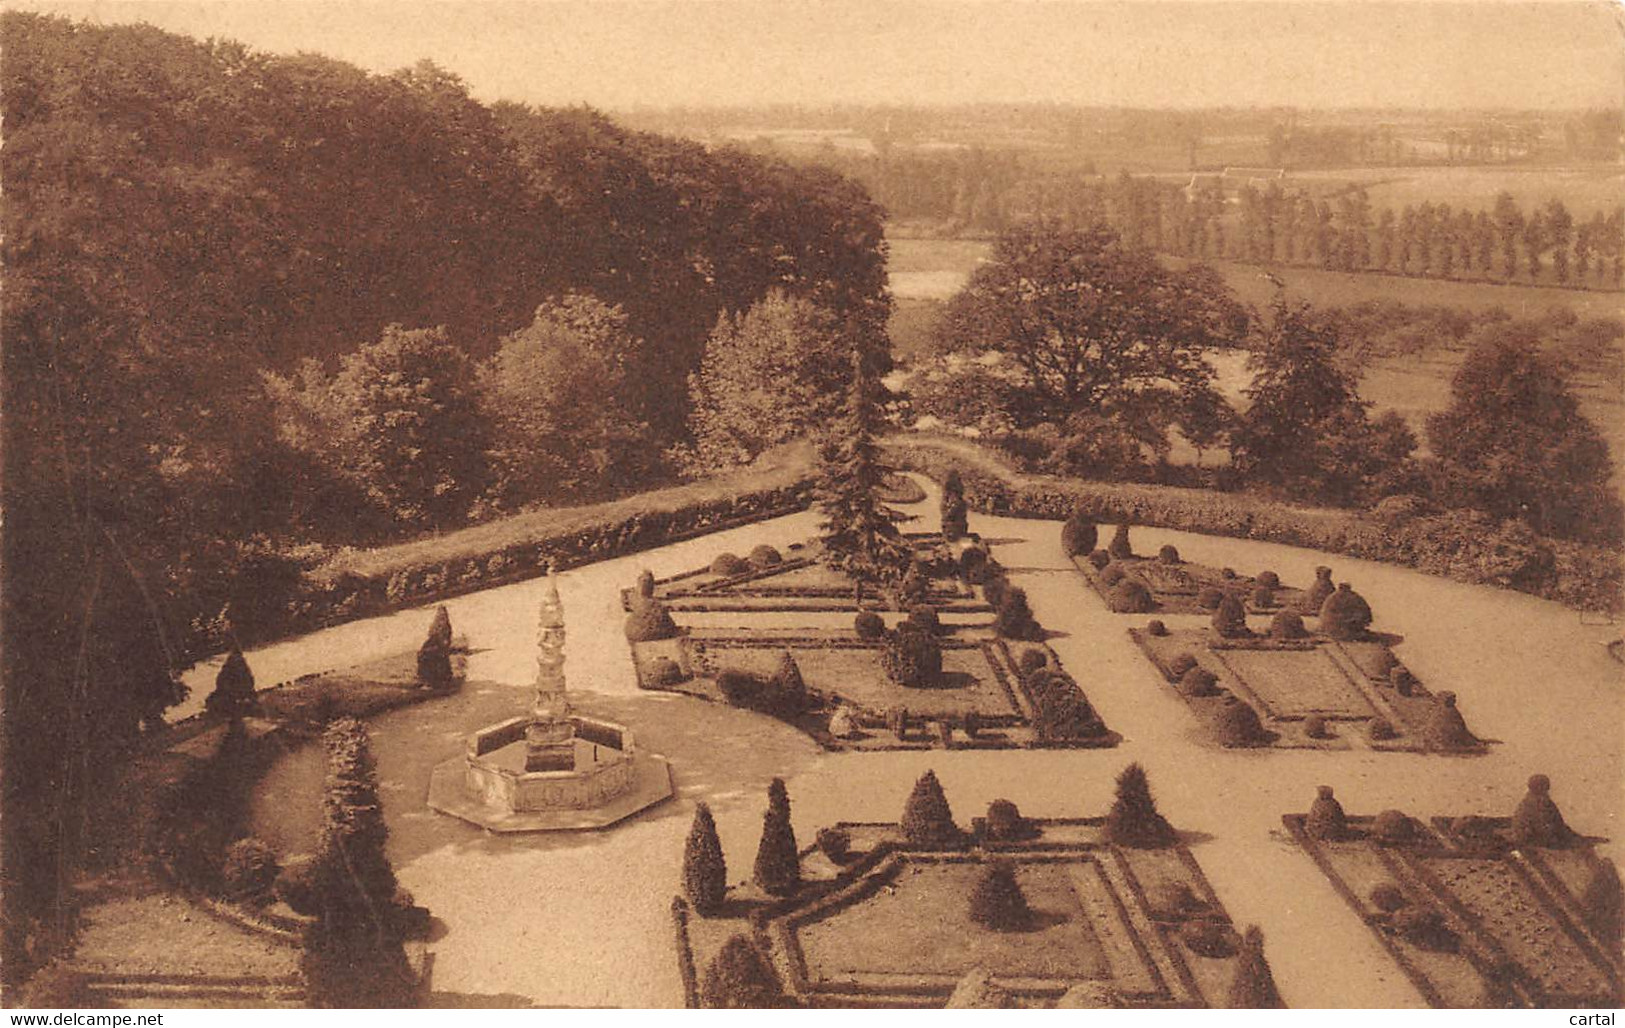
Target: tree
<point>927,819</point>
<point>233,694</point>
<point>1509,225</point>
<point>1071,321</point>
<point>1559,236</point>
<point>705,872</point>
<point>955,522</point>
<point>997,901</point>
<point>858,531</point>
<point>1133,819</point>
<point>740,978</point>
<point>1514,443</point>
<point>778,863</point>
<point>567,420</point>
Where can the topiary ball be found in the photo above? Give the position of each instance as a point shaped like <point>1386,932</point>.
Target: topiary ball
<point>1380,730</point>
<point>1230,619</point>
<point>650,621</point>
<point>1168,554</point>
<point>728,565</point>
<point>765,556</point>
<point>1156,628</point>
<point>1345,614</point>
<point>869,625</point>
<point>663,672</point>
<point>1111,574</point>
<point>1288,625</point>
<point>1099,559</point>
<point>1235,725</point>
<point>1268,579</point>
<point>1209,597</point>
<point>1199,682</point>
<point>1131,596</point>
<point>1032,660</point>
<point>1078,535</point>
<point>1393,826</point>
<point>1181,664</point>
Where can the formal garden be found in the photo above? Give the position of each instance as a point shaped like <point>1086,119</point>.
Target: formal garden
<point>1008,911</point>
<point>1479,910</point>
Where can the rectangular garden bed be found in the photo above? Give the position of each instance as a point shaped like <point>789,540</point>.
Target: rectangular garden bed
<point>1176,588</point>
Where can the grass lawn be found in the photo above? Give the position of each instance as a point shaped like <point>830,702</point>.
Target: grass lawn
<point>1296,683</point>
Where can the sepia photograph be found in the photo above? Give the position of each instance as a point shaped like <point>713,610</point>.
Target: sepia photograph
<point>771,504</point>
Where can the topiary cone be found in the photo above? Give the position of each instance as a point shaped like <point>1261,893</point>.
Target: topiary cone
<point>1253,987</point>
<point>233,693</point>
<point>1326,819</point>
<point>440,628</point>
<point>1445,728</point>
<point>1537,821</point>
<point>927,819</point>
<point>740,978</point>
<point>1133,819</point>
<point>1120,547</point>
<point>1601,901</point>
<point>997,901</point>
<point>705,872</point>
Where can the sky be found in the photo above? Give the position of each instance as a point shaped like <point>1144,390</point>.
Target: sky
<point>1143,53</point>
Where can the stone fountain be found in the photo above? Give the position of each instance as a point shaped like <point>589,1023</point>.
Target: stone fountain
<point>551,769</point>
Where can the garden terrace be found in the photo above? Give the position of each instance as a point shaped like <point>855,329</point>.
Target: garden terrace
<point>890,926</point>
<point>1176,588</point>
<point>801,581</point>
<point>1314,692</point>
<point>1506,926</point>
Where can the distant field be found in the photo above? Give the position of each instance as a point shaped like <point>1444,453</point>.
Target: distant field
<point>1584,190</point>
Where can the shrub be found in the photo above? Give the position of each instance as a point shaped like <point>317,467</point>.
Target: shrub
<point>728,565</point>
<point>1230,618</point>
<point>1253,987</point>
<point>1098,559</point>
<point>1381,730</point>
<point>1111,574</point>
<point>927,819</point>
<point>440,628</point>
<point>869,625</point>
<point>1235,724</point>
<point>1079,535</point>
<point>662,673</point>
<point>1131,596</point>
<point>1321,590</point>
<point>1476,831</point>
<point>1393,826</point>
<point>1388,898</point>
<point>705,872</point>
<point>955,522</point>
<point>1015,619</point>
<point>249,871</point>
<point>912,657</point>
<point>971,562</point>
<point>1345,614</point>
<point>1168,554</point>
<point>1004,823</point>
<point>1208,938</point>
<point>1133,819</point>
<point>1120,546</point>
<point>1537,821</point>
<point>1401,679</point>
<point>1444,728</point>
<point>1263,596</point>
<point>1314,726</point>
<point>233,694</point>
<point>1156,628</point>
<point>650,621</point>
<point>914,587</point>
<point>1063,714</point>
<point>434,664</point>
<point>296,885</point>
<point>995,587</point>
<point>1209,597</point>
<point>1425,927</point>
<point>997,901</point>
<point>646,584</point>
<point>925,618</point>
<point>1199,681</point>
<point>1268,579</point>
<point>1326,819</point>
<point>835,843</point>
<point>764,556</point>
<point>1288,624</point>
<point>740,978</point>
<point>1600,899</point>
<point>1181,664</point>
<point>778,861</point>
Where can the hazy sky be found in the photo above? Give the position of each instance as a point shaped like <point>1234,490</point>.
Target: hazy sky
<point>1152,53</point>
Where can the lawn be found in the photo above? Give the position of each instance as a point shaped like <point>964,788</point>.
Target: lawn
<point>1297,683</point>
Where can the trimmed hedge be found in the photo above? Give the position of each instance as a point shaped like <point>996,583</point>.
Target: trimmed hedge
<point>1466,546</point>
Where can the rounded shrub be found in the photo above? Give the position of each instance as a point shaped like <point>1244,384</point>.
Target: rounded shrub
<point>741,978</point>
<point>1381,730</point>
<point>869,625</point>
<point>1199,682</point>
<point>1156,628</point>
<point>764,556</point>
<point>843,724</point>
<point>1099,559</point>
<point>1180,664</point>
<point>1601,898</point>
<point>1268,579</point>
<point>1230,618</point>
<point>1235,725</point>
<point>729,564</point>
<point>1031,660</point>
<point>1168,554</point>
<point>971,561</point>
<point>1444,728</point>
<point>1208,938</point>
<point>1079,535</point>
<point>1288,624</point>
<point>1120,546</point>
<point>1263,596</point>
<point>994,588</point>
<point>1388,898</point>
<point>925,618</point>
<point>1314,726</point>
<point>1320,590</point>
<point>249,871</point>
<point>1394,827</point>
<point>835,843</point>
<point>663,672</point>
<point>1401,679</point>
<point>1326,819</point>
<point>912,657</point>
<point>997,901</point>
<point>1209,597</point>
<point>1004,822</point>
<point>1132,596</point>
<point>1345,614</point>
<point>1111,574</point>
<point>650,621</point>
<point>1015,618</point>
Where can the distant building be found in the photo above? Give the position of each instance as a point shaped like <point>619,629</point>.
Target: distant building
<point>1230,182</point>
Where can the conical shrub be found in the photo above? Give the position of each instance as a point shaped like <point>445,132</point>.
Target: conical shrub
<point>705,872</point>
<point>1079,536</point>
<point>1326,819</point>
<point>1236,724</point>
<point>778,865</point>
<point>233,694</point>
<point>1600,899</point>
<point>440,628</point>
<point>1120,547</point>
<point>1133,819</point>
<point>1253,987</point>
<point>1445,728</point>
<point>1319,591</point>
<point>1015,618</point>
<point>997,901</point>
<point>927,819</point>
<point>1537,821</point>
<point>650,621</point>
<point>740,978</point>
<point>1131,596</point>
